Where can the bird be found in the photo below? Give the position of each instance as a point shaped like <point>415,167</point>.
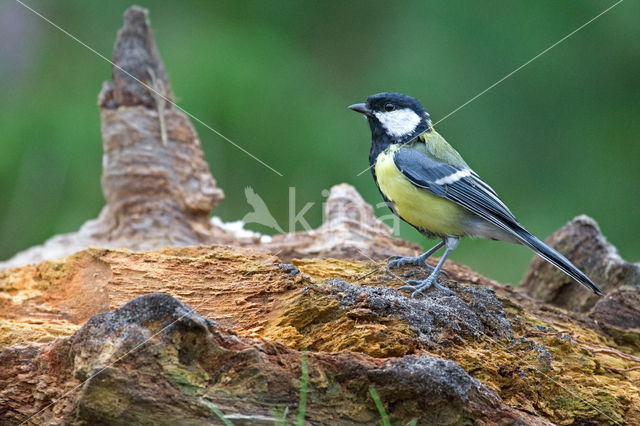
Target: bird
<point>427,183</point>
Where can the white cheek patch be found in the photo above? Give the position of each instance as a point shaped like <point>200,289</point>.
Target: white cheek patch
<point>400,122</point>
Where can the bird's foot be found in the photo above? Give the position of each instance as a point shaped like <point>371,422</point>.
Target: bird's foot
<point>398,261</point>
<point>418,286</point>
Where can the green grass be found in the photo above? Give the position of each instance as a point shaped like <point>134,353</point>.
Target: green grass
<point>304,389</point>
<point>384,417</point>
<point>280,416</point>
<point>217,411</point>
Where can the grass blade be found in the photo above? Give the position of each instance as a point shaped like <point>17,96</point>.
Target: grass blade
<point>384,417</point>
<point>304,389</point>
<point>218,412</point>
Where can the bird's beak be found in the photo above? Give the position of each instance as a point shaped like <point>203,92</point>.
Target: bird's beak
<point>361,108</point>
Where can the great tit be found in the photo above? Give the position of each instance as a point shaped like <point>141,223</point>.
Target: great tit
<point>426,183</point>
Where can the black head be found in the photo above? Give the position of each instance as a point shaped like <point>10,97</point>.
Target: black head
<point>394,117</point>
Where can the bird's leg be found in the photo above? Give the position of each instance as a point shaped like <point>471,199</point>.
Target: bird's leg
<point>418,286</point>
<point>420,260</point>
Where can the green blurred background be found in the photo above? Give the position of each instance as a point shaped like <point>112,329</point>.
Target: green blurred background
<point>557,139</point>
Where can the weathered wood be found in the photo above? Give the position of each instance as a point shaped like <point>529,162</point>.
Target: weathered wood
<point>156,182</point>
<point>581,241</point>
<point>190,363</point>
<point>556,365</point>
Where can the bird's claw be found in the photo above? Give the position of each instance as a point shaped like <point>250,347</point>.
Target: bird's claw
<point>397,261</point>
<point>418,286</point>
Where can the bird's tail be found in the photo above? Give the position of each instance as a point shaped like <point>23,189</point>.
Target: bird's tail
<point>561,262</point>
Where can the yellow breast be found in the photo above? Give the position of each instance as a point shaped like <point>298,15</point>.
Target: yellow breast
<point>417,206</point>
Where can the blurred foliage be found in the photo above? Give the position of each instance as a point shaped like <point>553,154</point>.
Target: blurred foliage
<point>557,139</point>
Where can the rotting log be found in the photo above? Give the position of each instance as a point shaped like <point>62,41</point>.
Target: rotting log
<point>581,241</point>
<point>190,362</point>
<point>519,358</point>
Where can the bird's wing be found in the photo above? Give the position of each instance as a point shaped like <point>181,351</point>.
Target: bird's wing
<point>462,186</point>
<point>458,184</point>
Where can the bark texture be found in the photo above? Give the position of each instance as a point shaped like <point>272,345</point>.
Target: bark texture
<point>190,363</point>
<point>582,242</point>
<point>157,186</point>
<point>487,353</point>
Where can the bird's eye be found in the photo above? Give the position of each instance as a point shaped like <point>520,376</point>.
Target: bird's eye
<point>389,107</point>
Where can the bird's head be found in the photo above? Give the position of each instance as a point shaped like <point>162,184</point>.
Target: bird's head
<point>394,116</point>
